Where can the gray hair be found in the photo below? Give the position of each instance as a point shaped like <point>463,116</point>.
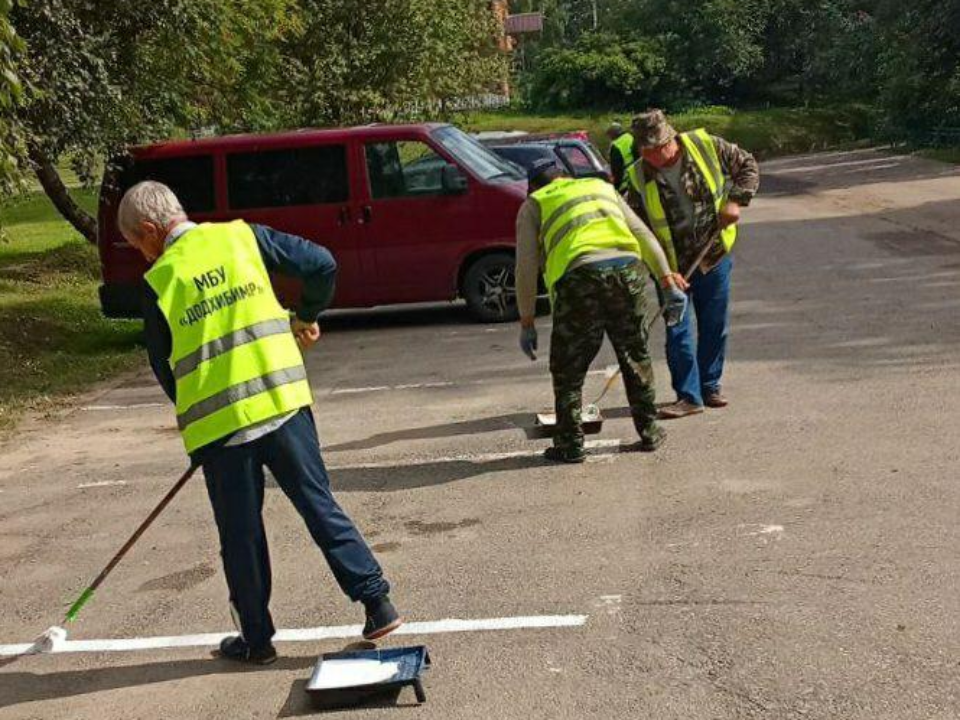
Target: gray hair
<point>151,202</point>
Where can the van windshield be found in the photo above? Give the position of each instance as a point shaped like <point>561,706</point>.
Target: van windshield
<point>478,159</point>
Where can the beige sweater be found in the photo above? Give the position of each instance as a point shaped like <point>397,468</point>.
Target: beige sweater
<point>530,259</point>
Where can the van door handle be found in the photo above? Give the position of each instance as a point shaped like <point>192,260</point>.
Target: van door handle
<point>344,216</point>
<point>367,214</point>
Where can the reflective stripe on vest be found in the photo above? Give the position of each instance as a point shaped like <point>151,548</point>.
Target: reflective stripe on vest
<point>234,359</point>
<point>624,144</point>
<point>700,147</point>
<point>579,217</point>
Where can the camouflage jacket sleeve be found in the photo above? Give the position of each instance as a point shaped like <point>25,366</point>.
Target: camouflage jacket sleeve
<point>742,168</point>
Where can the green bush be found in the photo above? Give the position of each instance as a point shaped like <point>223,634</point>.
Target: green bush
<point>599,71</point>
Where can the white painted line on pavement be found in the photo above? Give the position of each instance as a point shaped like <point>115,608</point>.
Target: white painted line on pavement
<point>137,406</point>
<point>311,634</point>
<point>465,457</point>
<point>608,372</point>
<point>105,483</point>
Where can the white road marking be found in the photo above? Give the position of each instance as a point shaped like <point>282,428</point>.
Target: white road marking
<point>759,530</point>
<point>607,372</point>
<point>311,634</point>
<point>109,408</point>
<point>105,483</point>
<point>465,457</point>
<point>351,391</point>
<point>610,603</point>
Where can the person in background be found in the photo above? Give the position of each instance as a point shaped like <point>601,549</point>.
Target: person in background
<point>621,153</point>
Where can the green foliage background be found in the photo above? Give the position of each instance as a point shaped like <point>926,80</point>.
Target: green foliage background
<point>901,57</point>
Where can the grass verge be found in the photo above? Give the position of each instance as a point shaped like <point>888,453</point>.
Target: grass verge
<point>766,133</point>
<point>53,340</point>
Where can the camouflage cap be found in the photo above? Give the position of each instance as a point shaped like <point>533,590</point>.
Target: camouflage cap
<point>652,129</point>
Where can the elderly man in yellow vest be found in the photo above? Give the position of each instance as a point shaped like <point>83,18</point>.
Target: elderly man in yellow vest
<point>592,249</point>
<point>226,353</point>
<point>689,188</point>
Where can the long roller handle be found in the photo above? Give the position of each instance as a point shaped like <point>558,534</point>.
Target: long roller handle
<point>88,593</point>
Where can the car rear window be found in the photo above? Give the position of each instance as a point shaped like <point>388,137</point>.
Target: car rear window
<point>280,178</point>
<point>190,178</point>
<point>578,160</point>
<point>525,156</point>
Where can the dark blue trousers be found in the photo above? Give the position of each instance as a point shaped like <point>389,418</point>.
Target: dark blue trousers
<point>697,346</point>
<point>235,483</point>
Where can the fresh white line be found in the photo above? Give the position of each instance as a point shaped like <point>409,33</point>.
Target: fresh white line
<point>311,634</point>
<point>465,457</point>
<point>608,372</point>
<point>351,391</point>
<point>105,483</point>
<point>138,406</point>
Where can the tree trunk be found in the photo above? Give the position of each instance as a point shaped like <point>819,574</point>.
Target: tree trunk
<point>53,186</point>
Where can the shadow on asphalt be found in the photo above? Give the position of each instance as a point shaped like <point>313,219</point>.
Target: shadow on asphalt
<point>17,688</point>
<point>429,474</point>
<point>299,703</point>
<point>523,422</point>
<point>513,421</point>
<point>396,316</point>
<point>412,315</point>
<point>845,169</point>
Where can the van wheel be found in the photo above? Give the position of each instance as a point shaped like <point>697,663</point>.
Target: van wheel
<point>489,287</point>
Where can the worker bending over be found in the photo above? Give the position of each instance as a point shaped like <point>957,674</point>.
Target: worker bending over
<point>689,189</point>
<point>226,353</point>
<point>591,247</point>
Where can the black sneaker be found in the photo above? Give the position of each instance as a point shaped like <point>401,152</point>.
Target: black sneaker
<point>236,648</point>
<point>382,619</point>
<point>565,455</point>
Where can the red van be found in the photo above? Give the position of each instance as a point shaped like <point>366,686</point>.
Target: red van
<point>412,213</point>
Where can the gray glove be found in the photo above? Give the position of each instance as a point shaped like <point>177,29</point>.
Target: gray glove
<point>528,342</point>
<point>674,305</point>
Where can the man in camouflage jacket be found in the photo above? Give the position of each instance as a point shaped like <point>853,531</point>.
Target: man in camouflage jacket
<point>695,357</point>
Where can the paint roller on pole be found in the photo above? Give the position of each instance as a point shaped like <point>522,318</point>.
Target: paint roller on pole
<point>54,636</point>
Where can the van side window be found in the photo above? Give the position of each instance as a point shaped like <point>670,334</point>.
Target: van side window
<point>190,178</point>
<point>280,178</point>
<point>404,168</point>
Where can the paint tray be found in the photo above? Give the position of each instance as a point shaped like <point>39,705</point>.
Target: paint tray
<point>546,423</point>
<point>357,677</point>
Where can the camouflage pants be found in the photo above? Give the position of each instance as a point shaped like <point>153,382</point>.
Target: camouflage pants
<point>588,302</point>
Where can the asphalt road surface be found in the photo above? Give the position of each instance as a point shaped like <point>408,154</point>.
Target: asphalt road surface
<point>792,556</point>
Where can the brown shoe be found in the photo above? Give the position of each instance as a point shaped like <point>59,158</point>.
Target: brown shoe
<point>715,400</point>
<point>679,409</point>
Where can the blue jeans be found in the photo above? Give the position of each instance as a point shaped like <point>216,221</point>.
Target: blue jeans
<point>696,363</point>
<point>235,482</point>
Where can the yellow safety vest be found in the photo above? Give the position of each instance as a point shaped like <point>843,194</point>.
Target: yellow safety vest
<point>578,217</point>
<point>700,147</point>
<point>234,359</point>
<point>624,144</point>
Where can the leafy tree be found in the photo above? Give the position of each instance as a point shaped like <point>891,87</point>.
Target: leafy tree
<point>600,71</point>
<point>358,61</point>
<point>920,61</point>
<point>11,96</point>
<point>112,73</point>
